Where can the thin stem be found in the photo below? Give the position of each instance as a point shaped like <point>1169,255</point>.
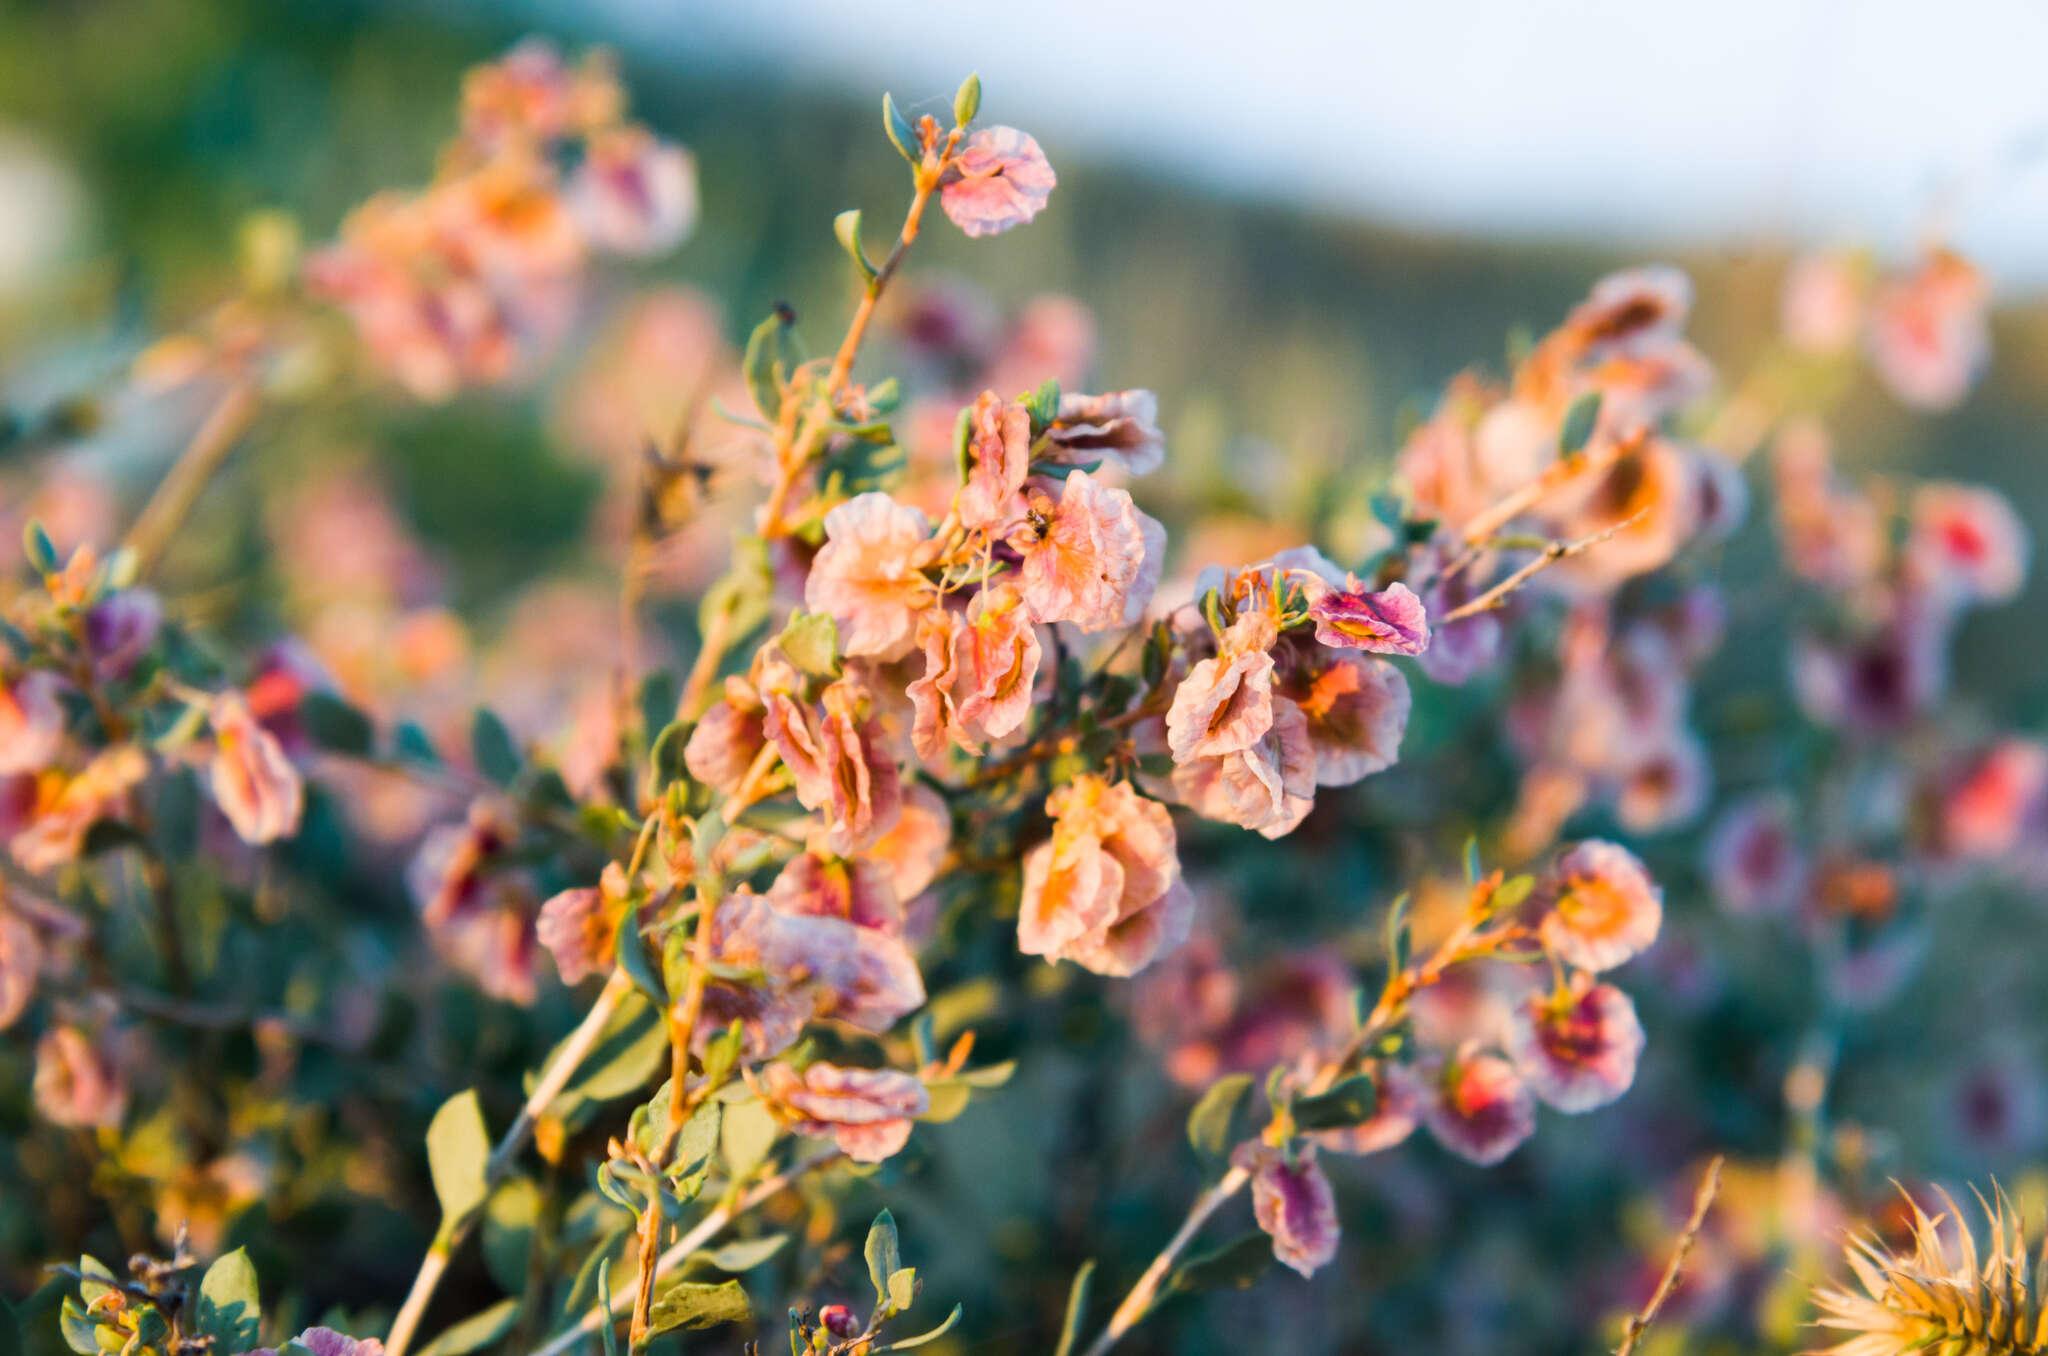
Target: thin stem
<point>1548,556</point>
<point>928,175</point>
<point>706,1229</point>
<point>182,485</point>
<point>1139,1302</point>
<point>552,1080</point>
<point>1702,1201</point>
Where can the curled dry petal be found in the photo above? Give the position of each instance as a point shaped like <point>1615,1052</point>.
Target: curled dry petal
<point>76,1080</point>
<point>999,450</point>
<point>868,574</point>
<point>867,1112</point>
<point>1084,558</point>
<point>254,784</point>
<point>1391,621</point>
<point>1225,704</point>
<point>1103,891</point>
<point>1120,428</point>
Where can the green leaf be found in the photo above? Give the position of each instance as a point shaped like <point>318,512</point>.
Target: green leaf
<point>458,1152</point>
<point>1212,1124</point>
<point>634,960</point>
<point>80,1333</point>
<point>1579,421</point>
<point>1077,1309</point>
<point>42,552</point>
<point>903,1288</point>
<point>415,744</point>
<point>1397,934</point>
<point>665,756</point>
<point>744,1255</point>
<point>694,1304</point>
<point>698,1139</point>
<point>1474,868</point>
<point>604,1299</point>
<point>632,1046</point>
<point>967,101</point>
<point>1511,893</point>
<point>658,697</point>
<point>901,134</point>
<point>847,227</point>
<point>924,1337</point>
<point>1043,405</point>
<point>811,642</point>
<point>946,1099</point>
<point>1351,1102</point>
<point>1238,1265</point>
<point>334,724</point>
<point>747,1134</point>
<point>508,1231</point>
<point>764,355</point>
<point>491,744</point>
<point>478,1330</point>
<point>229,1306</point>
<point>884,1254</point>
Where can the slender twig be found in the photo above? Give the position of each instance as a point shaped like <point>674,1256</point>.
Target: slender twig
<point>1139,1302</point>
<point>1548,556</point>
<point>1551,479</point>
<point>705,1230</point>
<point>552,1080</point>
<point>182,485</point>
<point>1702,1201</point>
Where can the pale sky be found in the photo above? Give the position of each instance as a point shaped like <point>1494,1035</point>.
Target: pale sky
<point>1649,122</point>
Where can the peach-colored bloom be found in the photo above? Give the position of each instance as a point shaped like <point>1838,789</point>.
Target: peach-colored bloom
<point>31,722</point>
<point>866,1112</point>
<point>1225,704</point>
<point>1100,892</point>
<point>1292,1201</point>
<point>68,805</point>
<point>728,736</point>
<point>1269,787</point>
<point>1598,905</point>
<point>1085,558</point>
<point>21,960</point>
<point>998,180</point>
<point>913,851</point>
<point>1631,312</point>
<point>1753,859</point>
<point>1357,711</point>
<point>1119,428</point>
<point>979,673</point>
<point>77,1082</point>
<point>999,456</point>
<point>1578,1047</point>
<point>634,194</point>
<point>803,967</point>
<point>1391,621</point>
<point>532,94</point>
<point>329,1342</point>
<point>1665,785</point>
<point>836,758</point>
<point>869,576</point>
<point>580,927</point>
<point>1929,335</point>
<point>1967,543</point>
<point>1480,1107</point>
<point>1831,534</point>
<point>254,784</point>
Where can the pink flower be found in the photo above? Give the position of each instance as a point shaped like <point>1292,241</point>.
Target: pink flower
<point>1929,336</point>
<point>635,194</point>
<point>999,456</point>
<point>1085,559</point>
<point>1389,622</point>
<point>1631,313</point>
<point>999,179</point>
<point>1753,859</point>
<point>1120,428</point>
<point>1879,682</point>
<point>1985,810</point>
<point>479,912</point>
<point>1822,305</point>
<point>1599,905</point>
<point>866,1112</point>
<point>837,761</point>
<point>1665,785</point>
<point>21,960</point>
<point>913,851</point>
<point>328,1342</point>
<point>807,967</point>
<point>1578,1047</point>
<point>1460,650</point>
<point>1967,543</point>
<point>580,927</point>
<point>859,890</point>
<point>728,736</point>
<point>31,722</point>
<point>1356,710</point>
<point>254,784</point>
<point>1269,787</point>
<point>1480,1108</point>
<point>76,1081</point>
<point>1292,1201</point>
<point>869,574</point>
<point>120,628</point>
<point>1102,891</point>
<point>1225,704</point>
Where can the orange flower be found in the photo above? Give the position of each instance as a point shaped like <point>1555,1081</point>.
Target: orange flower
<point>1103,891</point>
<point>1600,906</point>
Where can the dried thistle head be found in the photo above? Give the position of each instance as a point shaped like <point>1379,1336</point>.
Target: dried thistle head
<point>1985,1304</point>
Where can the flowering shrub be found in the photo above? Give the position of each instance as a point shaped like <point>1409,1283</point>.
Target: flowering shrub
<point>947,707</point>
